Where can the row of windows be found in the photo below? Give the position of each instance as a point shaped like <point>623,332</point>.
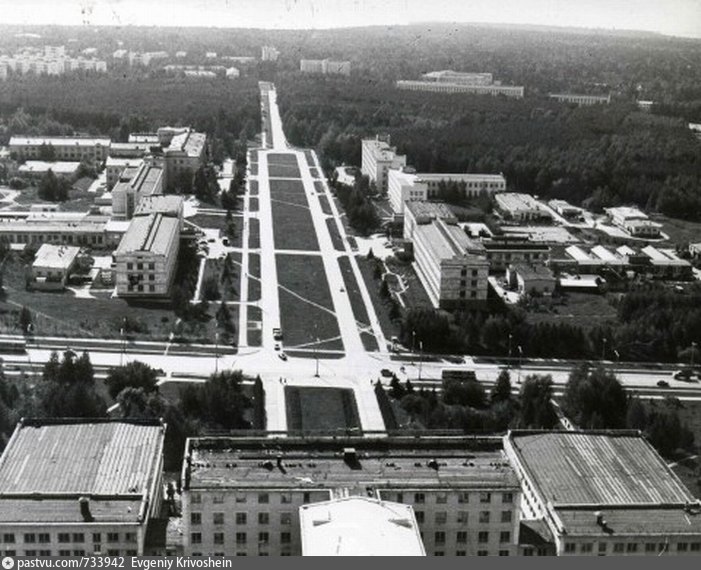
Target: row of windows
<point>241,518</point>
<point>463,497</point>
<point>240,538</point>
<point>140,266</point>
<point>76,552</point>
<point>439,537</point>
<point>63,537</point>
<point>462,517</point>
<point>262,498</point>
<point>633,547</point>
<point>53,238</point>
<point>141,288</point>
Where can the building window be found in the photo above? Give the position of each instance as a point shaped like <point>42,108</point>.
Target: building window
<point>483,536</point>
<point>482,553</point>
<point>461,537</point>
<point>112,537</point>
<point>504,536</point>
<point>263,538</point>
<point>618,547</point>
<point>240,498</point>
<point>263,518</point>
<point>218,499</point>
<point>506,516</point>
<point>306,497</point>
<point>460,553</point>
<point>528,551</point>
<point>441,517</point>
<point>218,518</point>
<point>484,517</point>
<point>503,553</point>
<point>586,548</point>
<point>263,498</point>
<point>78,537</point>
<point>79,553</point>
<point>681,547</point>
<point>649,546</point>
<point>442,498</point>
<point>285,519</point>
<point>419,498</point>
<point>96,537</point>
<point>419,516</point>
<point>196,538</point>
<point>570,547</point>
<point>195,518</point>
<point>285,498</point>
<point>485,497</point>
<point>30,538</point>
<point>285,538</point>
<point>463,497</point>
<point>68,553</point>
<point>240,538</point>
<point>695,546</point>
<point>218,538</point>
<point>30,552</point>
<point>240,518</point>
<point>439,553</point>
<point>439,537</point>
<point>462,517</point>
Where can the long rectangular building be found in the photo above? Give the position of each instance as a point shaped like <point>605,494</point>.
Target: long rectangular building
<point>241,496</point>
<point>64,148</point>
<point>80,488</point>
<point>515,92</point>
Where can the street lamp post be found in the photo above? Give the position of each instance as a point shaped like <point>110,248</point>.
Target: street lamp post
<point>510,337</point>
<point>216,352</point>
<point>421,357</point>
<point>121,352</point>
<point>520,359</point>
<point>693,349</point>
<point>603,350</point>
<point>316,356</point>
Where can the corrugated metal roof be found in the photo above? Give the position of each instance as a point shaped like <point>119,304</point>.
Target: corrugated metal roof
<point>152,233</point>
<point>598,469</point>
<point>107,458</point>
<point>67,510</point>
<point>661,521</point>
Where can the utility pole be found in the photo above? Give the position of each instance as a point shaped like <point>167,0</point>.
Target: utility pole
<point>510,337</point>
<point>216,352</point>
<point>603,350</point>
<point>316,356</point>
<point>520,359</point>
<point>421,357</point>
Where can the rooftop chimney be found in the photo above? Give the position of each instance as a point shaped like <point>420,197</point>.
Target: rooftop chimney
<point>85,509</point>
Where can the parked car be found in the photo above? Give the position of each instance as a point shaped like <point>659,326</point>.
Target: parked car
<point>277,334</point>
<point>277,346</point>
<point>683,375</point>
<point>282,356</point>
<point>663,384</point>
<point>385,372</point>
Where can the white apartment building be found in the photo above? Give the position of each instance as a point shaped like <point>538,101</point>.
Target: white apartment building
<point>52,266</point>
<point>65,148</point>
<point>242,495</point>
<point>115,166</point>
<point>402,186</point>
<point>581,99</point>
<point>146,259</point>
<point>37,169</point>
<point>603,493</point>
<point>459,77</point>
<point>80,488</point>
<point>269,53</point>
<point>185,153</point>
<point>520,207</point>
<point>135,182</point>
<point>378,157</point>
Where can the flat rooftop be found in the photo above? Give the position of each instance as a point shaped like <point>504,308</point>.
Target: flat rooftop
<point>359,526</point>
<point>317,463</point>
<point>170,205</point>
<point>153,233</point>
<point>447,241</point>
<point>575,469</point>
<point>59,141</point>
<point>430,210</point>
<point>514,201</point>
<point>56,167</point>
<point>56,256</point>
<point>191,143</point>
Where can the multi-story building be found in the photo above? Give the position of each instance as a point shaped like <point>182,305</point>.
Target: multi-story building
<point>269,53</point>
<point>325,67</point>
<point>131,149</point>
<point>115,166</point>
<point>459,77</point>
<point>52,266</point>
<point>241,496</point>
<point>520,207</point>
<point>503,252</point>
<point>635,222</point>
<point>56,228</point>
<point>452,267</point>
<point>37,169</point>
<point>581,99</point>
<point>146,258</point>
<point>378,157</point>
<point>442,87</point>
<point>64,148</point>
<point>359,526</point>
<point>78,488</point>
<point>603,493</point>
<point>49,61</point>
<point>183,154</point>
<point>406,184</point>
<point>134,183</point>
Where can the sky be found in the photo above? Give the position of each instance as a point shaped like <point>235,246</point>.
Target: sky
<point>671,17</point>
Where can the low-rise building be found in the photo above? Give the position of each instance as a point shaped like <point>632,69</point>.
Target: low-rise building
<point>242,495</point>
<point>503,252</point>
<point>52,266</point>
<point>269,53</point>
<point>359,526</point>
<point>603,493</point>
<point>531,278</point>
<point>132,150</point>
<point>378,157</point>
<point>515,92</point>
<point>34,229</point>
<point>520,207</point>
<point>633,221</point>
<point>695,250</point>
<point>63,148</point>
<point>581,99</point>
<point>325,67</point>
<point>80,488</point>
<point>37,169</point>
<point>565,209</point>
<point>146,258</point>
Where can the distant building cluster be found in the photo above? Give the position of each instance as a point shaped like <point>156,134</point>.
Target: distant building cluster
<point>325,67</point>
<point>52,60</point>
<point>529,493</point>
<point>449,81</point>
<point>206,71</point>
<point>635,222</point>
<point>137,58</point>
<point>581,99</point>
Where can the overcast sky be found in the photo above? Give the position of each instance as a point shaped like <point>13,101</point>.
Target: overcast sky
<point>674,17</point>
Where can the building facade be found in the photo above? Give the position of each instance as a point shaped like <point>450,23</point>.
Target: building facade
<point>580,99</point>
<point>378,157</point>
<point>442,87</point>
<point>325,67</point>
<point>242,496</point>
<point>520,207</point>
<point>503,252</point>
<point>64,148</point>
<point>74,488</point>
<point>135,183</point>
<point>52,266</point>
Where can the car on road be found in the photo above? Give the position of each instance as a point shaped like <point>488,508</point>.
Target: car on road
<point>455,359</point>
<point>211,240</point>
<point>277,334</point>
<point>343,290</point>
<point>277,346</point>
<point>385,372</point>
<point>663,384</point>
<point>225,241</point>
<point>282,356</point>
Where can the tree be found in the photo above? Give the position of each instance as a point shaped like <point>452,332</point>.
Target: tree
<point>595,399</point>
<point>501,392</point>
<point>47,153</point>
<point>132,375</point>
<point>210,289</point>
<point>219,403</point>
<point>464,393</point>
<point>536,408</point>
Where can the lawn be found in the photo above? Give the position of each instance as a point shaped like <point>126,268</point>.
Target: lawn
<point>254,286</point>
<point>680,231</point>
<point>356,300</point>
<point>325,206</point>
<point>314,172</point>
<point>287,159</point>
<point>255,331</point>
<point>229,288</point>
<point>283,171</point>
<point>304,293</point>
<point>389,328</point>
<point>254,233</point>
<point>321,409</point>
<point>335,235</point>
<point>289,191</point>
<point>586,310</point>
<point>309,155</point>
<point>293,228</point>
<point>78,201</point>
<point>415,294</point>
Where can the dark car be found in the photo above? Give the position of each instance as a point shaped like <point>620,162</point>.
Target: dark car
<point>386,373</point>
<point>683,375</point>
<point>663,384</point>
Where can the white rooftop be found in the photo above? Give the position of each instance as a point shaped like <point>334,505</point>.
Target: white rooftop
<point>59,141</point>
<point>55,167</point>
<point>56,256</point>
<point>359,526</point>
